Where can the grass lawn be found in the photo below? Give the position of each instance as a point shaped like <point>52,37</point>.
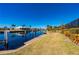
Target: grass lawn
<point>50,43</point>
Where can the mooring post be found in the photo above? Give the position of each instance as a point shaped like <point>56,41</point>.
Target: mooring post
<point>6,38</point>
<point>35,33</point>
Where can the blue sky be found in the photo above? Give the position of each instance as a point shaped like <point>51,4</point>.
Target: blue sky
<point>38,15</point>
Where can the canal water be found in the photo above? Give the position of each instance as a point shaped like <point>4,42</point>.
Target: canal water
<point>16,40</point>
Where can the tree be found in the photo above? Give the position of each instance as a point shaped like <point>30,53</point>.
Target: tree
<point>5,27</point>
<point>49,27</point>
<point>13,26</point>
<point>23,25</point>
<point>30,26</point>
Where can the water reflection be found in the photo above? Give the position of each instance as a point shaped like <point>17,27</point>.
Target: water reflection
<point>16,40</point>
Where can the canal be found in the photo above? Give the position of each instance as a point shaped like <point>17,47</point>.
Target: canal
<point>16,40</point>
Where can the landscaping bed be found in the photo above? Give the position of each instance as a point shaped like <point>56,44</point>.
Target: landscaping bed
<point>73,34</point>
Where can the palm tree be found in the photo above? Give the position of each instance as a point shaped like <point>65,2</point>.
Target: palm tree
<point>49,27</point>
<point>13,26</point>
<point>23,25</point>
<point>5,27</point>
<point>30,27</point>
